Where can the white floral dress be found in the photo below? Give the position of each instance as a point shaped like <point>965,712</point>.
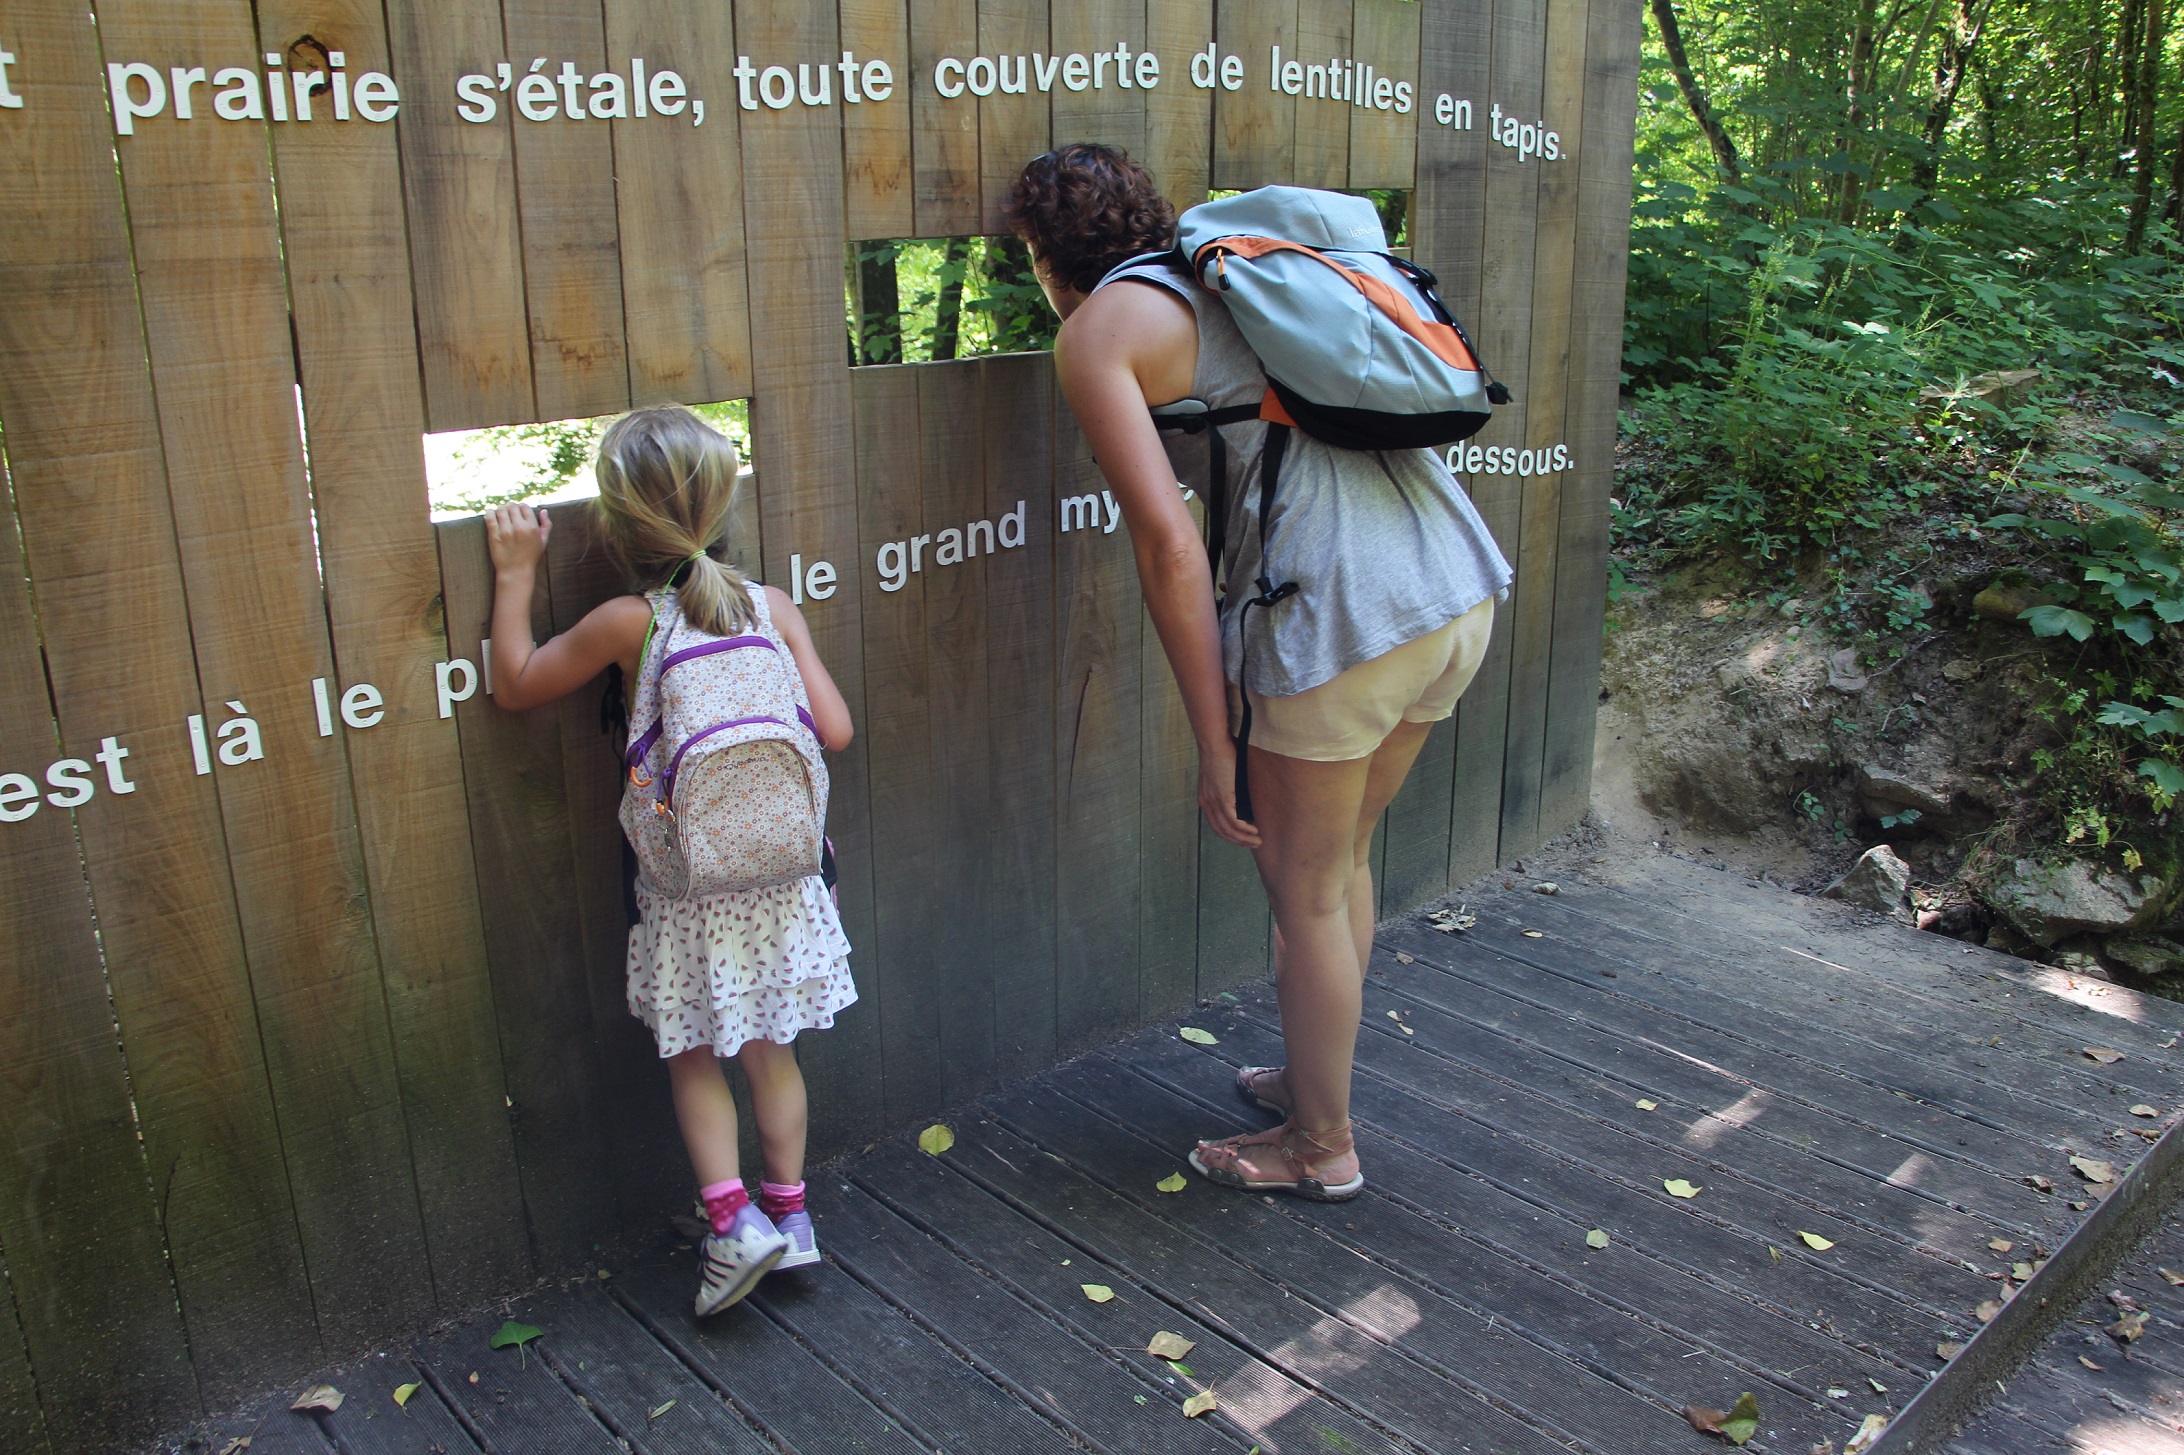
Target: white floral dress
<point>758,964</point>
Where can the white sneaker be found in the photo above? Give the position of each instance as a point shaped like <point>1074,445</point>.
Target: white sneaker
<point>734,1261</point>
<point>803,1240</point>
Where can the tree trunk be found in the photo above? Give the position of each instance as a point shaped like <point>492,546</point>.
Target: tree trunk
<point>879,304</point>
<point>955,257</point>
<point>2145,140</point>
<point>2130,35</point>
<point>1957,44</point>
<point>1702,111</point>
<point>1855,89</point>
<point>2175,212</point>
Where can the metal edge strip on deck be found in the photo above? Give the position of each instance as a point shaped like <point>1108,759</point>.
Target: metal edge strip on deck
<point>2085,1258</point>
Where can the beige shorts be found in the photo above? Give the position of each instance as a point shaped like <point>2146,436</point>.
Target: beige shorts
<point>1351,714</point>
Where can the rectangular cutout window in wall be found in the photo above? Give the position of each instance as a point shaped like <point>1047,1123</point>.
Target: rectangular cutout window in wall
<point>468,471</point>
<point>924,300</point>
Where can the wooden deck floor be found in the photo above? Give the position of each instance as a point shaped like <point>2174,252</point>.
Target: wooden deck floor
<point>1521,1084</point>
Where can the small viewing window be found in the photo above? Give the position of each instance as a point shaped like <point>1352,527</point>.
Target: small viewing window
<point>468,471</point>
<point>924,300</point>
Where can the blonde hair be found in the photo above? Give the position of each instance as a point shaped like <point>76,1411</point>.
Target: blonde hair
<point>667,482</point>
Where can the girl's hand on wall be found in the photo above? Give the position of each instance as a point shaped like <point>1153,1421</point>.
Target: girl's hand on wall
<point>516,536</point>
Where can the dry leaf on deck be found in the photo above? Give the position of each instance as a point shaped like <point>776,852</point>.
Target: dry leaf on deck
<point>1867,1434</point>
<point>1825,1447</point>
<point>1198,1404</point>
<point>1550,887</point>
<point>1173,1182</point>
<point>1817,1243</point>
<point>1597,1238</point>
<point>1985,1312</point>
<point>1198,1037</point>
<point>1170,1346</point>
<point>2128,1329</point>
<point>1737,1425</point>
<point>2170,1277</point>
<point>658,1410</point>
<point>936,1139</point>
<point>402,1393</point>
<point>2039,1183</point>
<point>1947,1352</point>
<point>2089,1364</point>
<point>1677,1187</point>
<point>1535,934</point>
<point>2143,1110</point>
<point>1837,1392</point>
<point>2103,1055</point>
<point>1645,1105</point>
<point>1404,957</point>
<point>1097,1292</point>
<point>2093,1169</point>
<point>236,1446</point>
<point>1878,1387</point>
<point>317,1398</point>
<point>2000,1245</point>
<point>2022,1272</point>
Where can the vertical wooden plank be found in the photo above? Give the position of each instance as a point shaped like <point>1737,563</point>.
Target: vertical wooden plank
<point>83,443</point>
<point>1384,144</point>
<point>905,970</point>
<point>356,347</point>
<point>1254,126</point>
<point>1098,875</point>
<point>1532,625</point>
<point>92,1300</point>
<point>466,251</point>
<point>572,267</point>
<point>960,762</point>
<point>876,176</point>
<point>685,300</point>
<point>1448,228</point>
<point>1012,128</point>
<point>1178,113</point>
<point>22,1422</point>
<point>215,305</point>
<point>1017,395</point>
<point>944,130</point>
<point>516,784</point>
<point>1503,334</point>
<point>804,452</point>
<point>651,1171</point>
<point>1601,258</point>
<point>1321,157</point>
<point>1103,108</point>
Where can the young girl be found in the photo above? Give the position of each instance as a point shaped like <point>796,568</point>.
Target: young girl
<point>735,974</point>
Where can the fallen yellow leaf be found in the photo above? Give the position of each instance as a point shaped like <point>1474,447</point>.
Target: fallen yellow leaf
<point>236,1446</point>
<point>1535,934</point>
<point>1404,957</point>
<point>1947,1351</point>
<point>2022,1272</point>
<point>1985,1312</point>
<point>2143,1110</point>
<point>1198,1037</point>
<point>1170,1346</point>
<point>1199,1404</point>
<point>936,1139</point>
<point>1867,1434</point>
<point>1173,1182</point>
<point>1597,1238</point>
<point>2169,1277</point>
<point>1677,1187</point>
<point>658,1410</point>
<point>1815,1242</point>
<point>2128,1328</point>
<point>1097,1292</point>
<point>2089,1364</point>
<point>2093,1169</point>
<point>2000,1245</point>
<point>402,1393</point>
<point>2103,1055</point>
<point>1646,1105</point>
<point>318,1397</point>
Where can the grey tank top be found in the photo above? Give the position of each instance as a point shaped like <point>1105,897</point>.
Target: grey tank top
<point>1384,545</point>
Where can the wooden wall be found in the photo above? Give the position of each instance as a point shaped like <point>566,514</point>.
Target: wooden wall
<point>310,1047</point>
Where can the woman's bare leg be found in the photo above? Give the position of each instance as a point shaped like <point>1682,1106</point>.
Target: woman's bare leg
<point>779,1108</point>
<point>705,1109</point>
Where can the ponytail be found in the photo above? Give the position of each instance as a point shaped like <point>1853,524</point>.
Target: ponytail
<point>667,487</point>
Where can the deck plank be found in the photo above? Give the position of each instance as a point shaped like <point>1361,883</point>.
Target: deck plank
<point>517,1403</point>
<point>613,1361</point>
<point>369,1421</point>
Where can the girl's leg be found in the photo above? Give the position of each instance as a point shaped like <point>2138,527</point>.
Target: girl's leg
<point>778,1107</point>
<point>705,1109</point>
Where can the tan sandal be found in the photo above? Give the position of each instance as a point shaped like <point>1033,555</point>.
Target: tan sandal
<point>1259,1086</point>
<point>1301,1153</point>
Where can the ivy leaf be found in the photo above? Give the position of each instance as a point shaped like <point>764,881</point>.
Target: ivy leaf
<point>2136,627</point>
<point>2055,621</point>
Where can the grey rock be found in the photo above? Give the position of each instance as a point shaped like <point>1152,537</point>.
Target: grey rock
<point>1885,791</point>
<point>2149,956</point>
<point>1961,669</point>
<point>2004,600</point>
<point>2084,964</point>
<point>1844,674</point>
<point>1878,881</point>
<point>2048,902</point>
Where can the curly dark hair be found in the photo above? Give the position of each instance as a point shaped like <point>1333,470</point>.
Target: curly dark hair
<point>1085,207</point>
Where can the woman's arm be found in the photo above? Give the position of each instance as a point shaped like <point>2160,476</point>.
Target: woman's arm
<point>828,709</point>
<point>526,676</point>
<point>1112,345</point>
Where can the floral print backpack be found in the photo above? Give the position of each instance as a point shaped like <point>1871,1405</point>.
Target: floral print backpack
<point>727,789</point>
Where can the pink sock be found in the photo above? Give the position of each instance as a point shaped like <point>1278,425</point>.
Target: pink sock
<point>777,1201</point>
<point>723,1200</point>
